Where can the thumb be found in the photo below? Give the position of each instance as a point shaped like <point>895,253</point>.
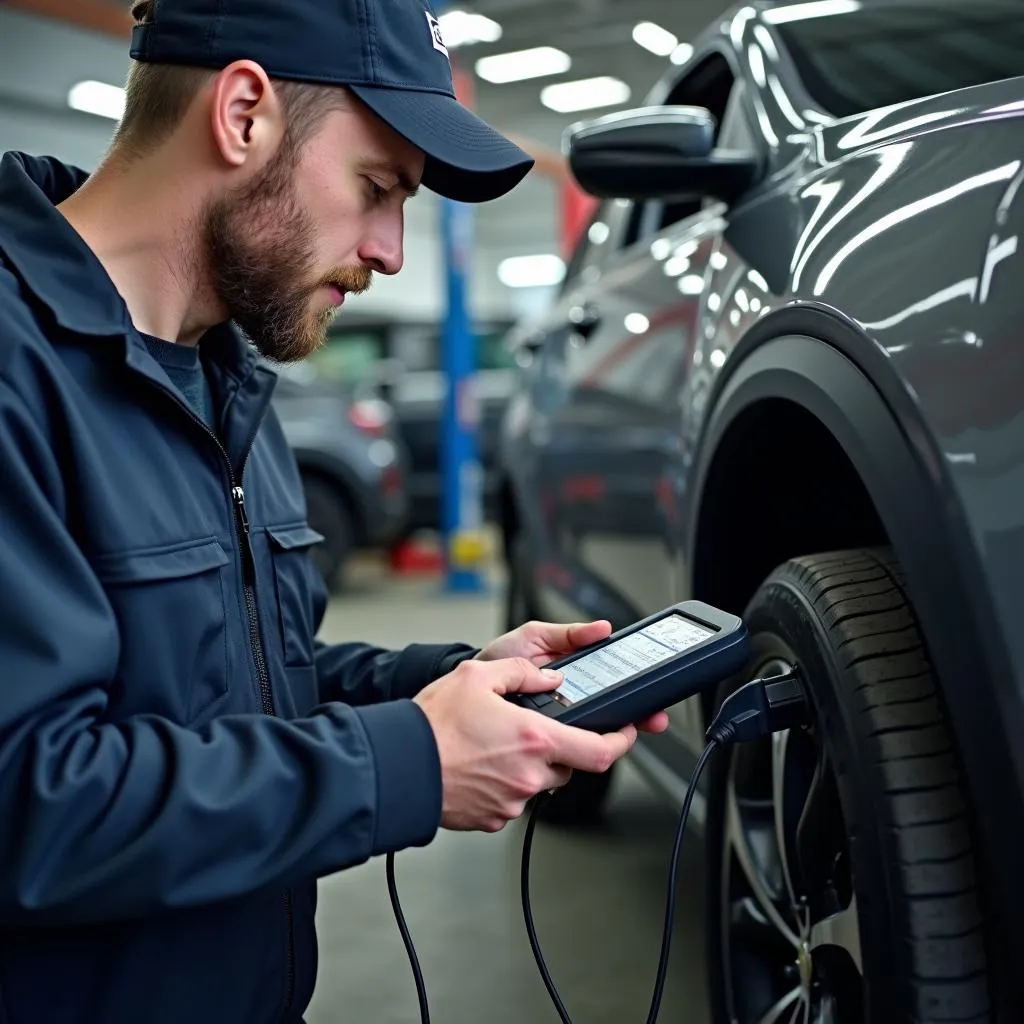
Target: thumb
<point>519,675</point>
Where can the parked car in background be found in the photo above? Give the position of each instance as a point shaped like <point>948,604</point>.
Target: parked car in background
<point>785,375</point>
<point>418,398</point>
<point>352,463</point>
<point>401,363</point>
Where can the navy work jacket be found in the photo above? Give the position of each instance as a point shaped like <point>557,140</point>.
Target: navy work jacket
<point>180,758</point>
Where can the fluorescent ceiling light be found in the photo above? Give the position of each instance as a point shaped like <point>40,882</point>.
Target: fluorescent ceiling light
<point>813,9</point>
<point>538,271</point>
<point>654,38</point>
<point>97,98</point>
<point>460,28</point>
<point>585,94</point>
<point>522,64</point>
<point>681,54</point>
<point>636,323</point>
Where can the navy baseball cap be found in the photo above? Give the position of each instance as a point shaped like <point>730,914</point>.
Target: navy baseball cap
<point>389,53</point>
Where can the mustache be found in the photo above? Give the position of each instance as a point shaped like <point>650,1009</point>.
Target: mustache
<point>355,280</point>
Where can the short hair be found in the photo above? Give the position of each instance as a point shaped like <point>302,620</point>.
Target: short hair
<point>157,96</point>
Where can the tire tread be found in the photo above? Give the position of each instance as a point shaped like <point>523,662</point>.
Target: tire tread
<point>860,599</point>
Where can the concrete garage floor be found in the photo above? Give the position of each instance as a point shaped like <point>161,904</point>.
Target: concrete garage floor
<point>598,896</point>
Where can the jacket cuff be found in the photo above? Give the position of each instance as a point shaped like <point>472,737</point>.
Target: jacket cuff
<point>420,664</point>
<point>408,774</point>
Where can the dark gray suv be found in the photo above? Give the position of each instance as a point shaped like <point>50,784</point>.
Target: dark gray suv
<point>785,375</point>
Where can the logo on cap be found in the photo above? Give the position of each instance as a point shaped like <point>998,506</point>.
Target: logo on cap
<point>435,34</point>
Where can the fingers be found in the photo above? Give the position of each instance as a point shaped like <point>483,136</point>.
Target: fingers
<point>588,751</point>
<point>512,675</point>
<point>583,634</point>
<point>564,638</point>
<point>559,776</point>
<point>655,724</point>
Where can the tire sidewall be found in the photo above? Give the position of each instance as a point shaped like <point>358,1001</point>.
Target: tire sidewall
<point>782,623</point>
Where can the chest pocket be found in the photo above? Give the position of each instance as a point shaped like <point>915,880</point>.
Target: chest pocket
<point>169,604</point>
<point>296,583</point>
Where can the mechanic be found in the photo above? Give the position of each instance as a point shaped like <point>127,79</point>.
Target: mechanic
<point>180,758</point>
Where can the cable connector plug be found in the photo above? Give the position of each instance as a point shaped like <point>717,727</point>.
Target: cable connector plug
<point>761,707</point>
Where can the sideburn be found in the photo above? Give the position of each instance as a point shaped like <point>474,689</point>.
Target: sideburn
<point>259,252</point>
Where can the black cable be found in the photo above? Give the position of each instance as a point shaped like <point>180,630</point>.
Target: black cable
<point>670,902</point>
<point>524,885</point>
<point>421,989</point>
<point>759,708</point>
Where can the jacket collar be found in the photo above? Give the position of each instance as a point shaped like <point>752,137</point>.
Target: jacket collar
<point>46,252</point>
<point>62,272</point>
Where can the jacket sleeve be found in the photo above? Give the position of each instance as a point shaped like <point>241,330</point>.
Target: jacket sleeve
<point>361,674</point>
<point>104,820</point>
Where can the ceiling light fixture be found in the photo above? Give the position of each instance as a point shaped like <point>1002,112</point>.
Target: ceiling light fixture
<point>585,94</point>
<point>681,54</point>
<point>653,37</point>
<point>539,271</point>
<point>522,64</point>
<point>97,98</point>
<point>461,28</point>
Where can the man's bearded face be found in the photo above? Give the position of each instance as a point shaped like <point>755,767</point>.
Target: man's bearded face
<point>260,250</point>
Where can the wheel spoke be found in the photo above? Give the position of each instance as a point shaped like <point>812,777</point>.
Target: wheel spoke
<point>774,1012</point>
<point>843,930</point>
<point>753,873</point>
<point>780,746</point>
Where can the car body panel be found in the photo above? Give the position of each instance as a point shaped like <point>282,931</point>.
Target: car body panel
<point>889,239</point>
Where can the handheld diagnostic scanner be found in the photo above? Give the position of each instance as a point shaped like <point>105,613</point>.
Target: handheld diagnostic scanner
<point>644,668</point>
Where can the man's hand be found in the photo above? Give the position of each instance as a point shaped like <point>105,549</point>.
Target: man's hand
<point>543,642</point>
<point>496,756</point>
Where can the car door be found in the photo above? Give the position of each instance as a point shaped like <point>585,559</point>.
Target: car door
<point>608,449</point>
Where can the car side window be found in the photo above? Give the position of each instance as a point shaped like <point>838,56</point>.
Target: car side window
<point>711,84</point>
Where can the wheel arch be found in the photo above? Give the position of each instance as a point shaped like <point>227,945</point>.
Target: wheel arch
<point>812,365</point>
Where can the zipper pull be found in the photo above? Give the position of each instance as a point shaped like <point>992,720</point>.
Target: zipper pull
<point>238,495</point>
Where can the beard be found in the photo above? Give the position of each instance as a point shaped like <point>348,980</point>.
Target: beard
<point>258,248</point>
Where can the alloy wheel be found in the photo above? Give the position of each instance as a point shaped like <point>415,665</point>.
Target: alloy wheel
<point>790,929</point>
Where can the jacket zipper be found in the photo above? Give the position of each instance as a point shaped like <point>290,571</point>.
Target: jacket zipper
<point>241,520</point>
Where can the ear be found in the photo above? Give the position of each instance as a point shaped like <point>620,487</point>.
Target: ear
<point>245,116</point>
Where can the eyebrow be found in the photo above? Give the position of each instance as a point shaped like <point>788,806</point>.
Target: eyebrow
<point>405,182</point>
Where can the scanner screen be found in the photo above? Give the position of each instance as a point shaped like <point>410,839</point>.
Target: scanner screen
<point>636,652</point>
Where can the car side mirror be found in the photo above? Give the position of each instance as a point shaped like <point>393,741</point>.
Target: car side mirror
<point>657,153</point>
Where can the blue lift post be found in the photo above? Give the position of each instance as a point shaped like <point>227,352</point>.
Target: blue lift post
<point>462,476</point>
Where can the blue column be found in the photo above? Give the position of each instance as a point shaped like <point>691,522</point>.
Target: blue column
<point>462,505</point>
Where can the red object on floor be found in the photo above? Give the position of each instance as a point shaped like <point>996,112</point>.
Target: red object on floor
<point>416,556</point>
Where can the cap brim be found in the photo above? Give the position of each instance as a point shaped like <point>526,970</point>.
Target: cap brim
<point>467,160</point>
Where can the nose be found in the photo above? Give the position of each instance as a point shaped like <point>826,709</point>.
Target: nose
<point>382,248</point>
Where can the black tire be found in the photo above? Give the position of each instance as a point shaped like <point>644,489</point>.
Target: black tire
<point>873,820</point>
<point>328,514</point>
<point>582,800</point>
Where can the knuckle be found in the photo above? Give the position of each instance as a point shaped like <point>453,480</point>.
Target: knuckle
<point>536,741</point>
<point>513,810</point>
<point>469,668</point>
<point>526,785</point>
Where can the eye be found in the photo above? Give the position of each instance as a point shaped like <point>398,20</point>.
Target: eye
<point>378,192</point>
